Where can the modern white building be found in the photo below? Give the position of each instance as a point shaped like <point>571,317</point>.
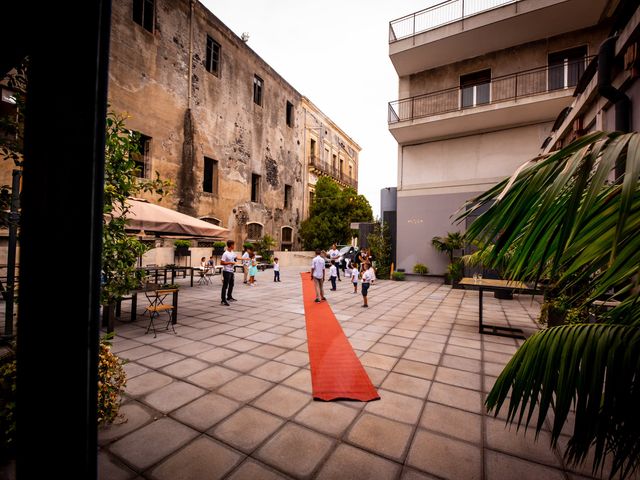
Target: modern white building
<point>481,85</point>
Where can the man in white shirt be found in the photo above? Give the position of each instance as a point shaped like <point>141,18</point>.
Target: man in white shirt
<point>317,275</point>
<point>228,262</point>
<point>334,254</point>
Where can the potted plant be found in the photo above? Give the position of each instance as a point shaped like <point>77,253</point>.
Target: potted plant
<point>449,244</point>
<point>182,248</point>
<point>218,248</point>
<point>420,269</point>
<point>455,272</point>
<point>398,276</point>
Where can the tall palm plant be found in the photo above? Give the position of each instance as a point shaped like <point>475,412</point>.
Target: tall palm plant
<point>449,244</point>
<point>564,217</point>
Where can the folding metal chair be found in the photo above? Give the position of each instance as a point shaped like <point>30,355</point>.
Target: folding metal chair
<point>157,305</point>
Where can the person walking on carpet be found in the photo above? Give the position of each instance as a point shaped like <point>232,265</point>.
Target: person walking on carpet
<point>317,275</point>
<point>367,277</point>
<point>228,262</point>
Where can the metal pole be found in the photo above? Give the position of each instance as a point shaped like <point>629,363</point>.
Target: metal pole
<point>14,218</point>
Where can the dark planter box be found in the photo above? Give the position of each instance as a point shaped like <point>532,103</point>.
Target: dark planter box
<point>182,252</point>
<point>218,251</point>
<point>503,294</point>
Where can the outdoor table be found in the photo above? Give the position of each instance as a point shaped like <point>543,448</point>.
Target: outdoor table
<point>493,285</point>
<point>157,272</point>
<point>134,304</point>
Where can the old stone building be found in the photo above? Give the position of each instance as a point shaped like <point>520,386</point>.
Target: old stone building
<point>225,127</point>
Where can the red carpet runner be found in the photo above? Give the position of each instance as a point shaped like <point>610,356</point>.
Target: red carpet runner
<point>336,372</point>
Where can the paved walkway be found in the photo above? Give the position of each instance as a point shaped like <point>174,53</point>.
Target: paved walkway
<point>229,396</point>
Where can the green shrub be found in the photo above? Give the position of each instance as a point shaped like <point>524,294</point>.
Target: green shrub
<point>247,245</point>
<point>182,243</point>
<point>420,268</point>
<point>398,276</point>
<point>111,382</point>
<point>455,271</point>
<point>219,244</point>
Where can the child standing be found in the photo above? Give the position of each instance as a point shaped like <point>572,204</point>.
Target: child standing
<point>354,278</point>
<point>276,270</point>
<point>253,269</point>
<point>367,278</point>
<point>333,274</point>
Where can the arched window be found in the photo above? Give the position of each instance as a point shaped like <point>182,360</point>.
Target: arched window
<point>287,239</point>
<point>254,231</point>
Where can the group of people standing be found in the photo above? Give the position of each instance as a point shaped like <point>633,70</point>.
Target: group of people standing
<point>249,262</point>
<point>355,271</point>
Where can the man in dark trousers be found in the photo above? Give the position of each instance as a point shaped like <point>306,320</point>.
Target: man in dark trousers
<point>228,262</point>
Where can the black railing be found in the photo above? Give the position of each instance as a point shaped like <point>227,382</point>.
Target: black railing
<point>443,13</point>
<point>331,171</point>
<point>500,89</point>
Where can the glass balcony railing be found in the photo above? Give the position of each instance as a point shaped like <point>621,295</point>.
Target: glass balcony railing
<point>443,13</point>
<point>527,83</point>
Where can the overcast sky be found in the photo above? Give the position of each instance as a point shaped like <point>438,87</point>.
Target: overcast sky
<point>337,54</point>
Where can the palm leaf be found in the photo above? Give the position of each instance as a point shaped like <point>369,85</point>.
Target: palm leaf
<point>586,368</point>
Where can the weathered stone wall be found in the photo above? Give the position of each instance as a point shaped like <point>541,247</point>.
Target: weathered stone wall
<point>149,80</point>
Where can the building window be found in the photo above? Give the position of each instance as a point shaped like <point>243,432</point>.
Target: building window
<point>210,180</point>
<point>141,147</point>
<point>350,171</point>
<point>475,88</point>
<point>566,67</point>
<point>143,13</point>
<point>254,231</point>
<point>287,196</point>
<point>213,56</point>
<point>289,114</point>
<point>334,164</point>
<point>258,84</point>
<point>326,155</point>
<point>255,188</point>
<point>312,196</point>
<point>287,238</point>
<point>341,166</point>
<point>312,148</point>
<point>212,220</point>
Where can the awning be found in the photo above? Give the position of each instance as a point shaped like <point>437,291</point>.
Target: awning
<point>154,219</point>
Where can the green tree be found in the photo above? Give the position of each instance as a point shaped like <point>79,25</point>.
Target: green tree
<point>380,245</point>
<point>120,251</point>
<point>331,214</point>
<point>561,219</point>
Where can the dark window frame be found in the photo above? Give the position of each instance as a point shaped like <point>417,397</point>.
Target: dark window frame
<point>288,194</point>
<point>565,67</point>
<point>255,187</point>
<point>210,176</point>
<point>475,88</point>
<point>258,90</point>
<point>144,14</point>
<point>142,157</point>
<point>213,56</point>
<point>251,227</point>
<point>289,114</point>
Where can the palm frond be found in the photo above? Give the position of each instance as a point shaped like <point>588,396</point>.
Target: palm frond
<point>591,369</point>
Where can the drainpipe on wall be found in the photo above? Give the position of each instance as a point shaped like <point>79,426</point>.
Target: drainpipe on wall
<point>620,101</point>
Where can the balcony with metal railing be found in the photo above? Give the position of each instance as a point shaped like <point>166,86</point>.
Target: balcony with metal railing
<point>325,168</point>
<point>519,98</point>
<point>454,30</point>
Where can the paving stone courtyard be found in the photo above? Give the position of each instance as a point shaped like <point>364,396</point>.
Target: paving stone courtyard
<point>229,395</point>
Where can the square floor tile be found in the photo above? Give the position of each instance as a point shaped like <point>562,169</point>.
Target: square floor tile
<point>206,411</point>
<point>413,386</point>
<point>396,407</point>
<point>244,362</point>
<point>416,369</point>
<point>445,457</point>
<point>348,462</point>
<point>452,421</point>
<point>252,470</point>
<point>295,450</point>
<point>244,388</point>
<point>462,398</point>
<point>381,436</point>
<point>202,458</point>
<point>185,367</point>
<point>147,382</point>
<point>282,401</point>
<point>274,371</point>
<point>173,396</point>
<point>212,377</point>
<point>327,417</point>
<point>247,428</point>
